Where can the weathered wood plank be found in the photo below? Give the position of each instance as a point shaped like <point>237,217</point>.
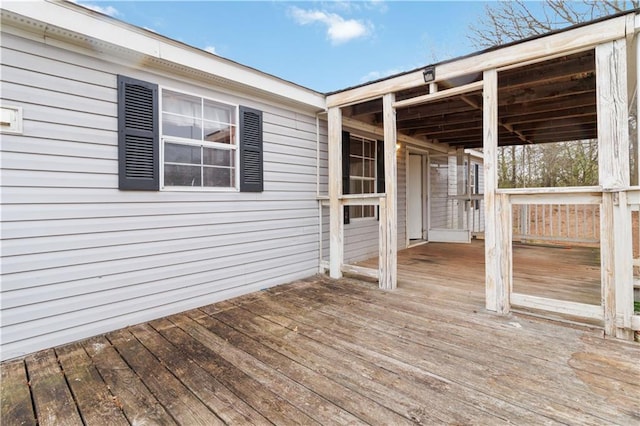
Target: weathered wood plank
<point>214,394</point>
<point>52,399</point>
<point>388,250</point>
<point>507,381</point>
<point>183,406</point>
<point>412,397</point>
<point>336,218</point>
<point>439,331</point>
<point>92,396</point>
<point>261,398</point>
<point>313,405</point>
<point>490,149</point>
<point>353,402</point>
<point>15,397</point>
<point>138,404</point>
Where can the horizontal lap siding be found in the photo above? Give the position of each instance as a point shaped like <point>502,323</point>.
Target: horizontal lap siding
<point>80,257</point>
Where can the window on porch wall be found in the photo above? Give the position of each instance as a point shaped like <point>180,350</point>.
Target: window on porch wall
<point>362,173</point>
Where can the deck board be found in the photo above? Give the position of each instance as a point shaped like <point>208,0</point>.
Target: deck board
<point>322,351</point>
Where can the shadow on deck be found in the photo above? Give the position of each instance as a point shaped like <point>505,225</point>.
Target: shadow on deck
<point>321,351</point>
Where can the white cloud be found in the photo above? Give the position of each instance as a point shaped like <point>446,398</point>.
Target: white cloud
<point>108,10</point>
<point>339,30</point>
<point>211,49</point>
<point>376,75</point>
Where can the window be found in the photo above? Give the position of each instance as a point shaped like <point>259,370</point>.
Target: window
<point>199,142</point>
<point>205,144</point>
<point>362,173</point>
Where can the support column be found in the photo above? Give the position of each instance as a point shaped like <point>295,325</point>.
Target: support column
<point>497,263</point>
<point>336,218</point>
<point>388,257</point>
<point>613,168</point>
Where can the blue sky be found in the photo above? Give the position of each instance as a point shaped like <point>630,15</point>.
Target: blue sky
<point>323,45</point>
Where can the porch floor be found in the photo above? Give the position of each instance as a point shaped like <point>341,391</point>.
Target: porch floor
<point>321,351</point>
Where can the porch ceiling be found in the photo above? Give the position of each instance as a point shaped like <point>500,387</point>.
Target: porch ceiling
<point>550,101</point>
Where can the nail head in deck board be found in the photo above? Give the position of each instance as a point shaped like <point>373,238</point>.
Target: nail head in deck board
<point>214,394</point>
<point>267,403</point>
<point>349,401</point>
<point>138,404</point>
<point>51,396</point>
<point>181,404</point>
<point>16,407</point>
<point>95,403</point>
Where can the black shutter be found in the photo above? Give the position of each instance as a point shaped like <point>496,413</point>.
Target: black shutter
<point>251,169</point>
<point>380,185</point>
<point>346,169</point>
<point>138,135</point>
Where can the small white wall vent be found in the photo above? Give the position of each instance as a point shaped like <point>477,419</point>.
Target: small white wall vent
<point>11,119</point>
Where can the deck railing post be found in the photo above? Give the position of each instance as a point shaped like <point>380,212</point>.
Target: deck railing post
<point>336,218</point>
<point>389,225</point>
<point>613,168</point>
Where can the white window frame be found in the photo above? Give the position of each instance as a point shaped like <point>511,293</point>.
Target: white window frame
<point>235,146</point>
<point>363,179</point>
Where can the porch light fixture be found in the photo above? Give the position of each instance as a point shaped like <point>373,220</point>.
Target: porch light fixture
<point>429,74</point>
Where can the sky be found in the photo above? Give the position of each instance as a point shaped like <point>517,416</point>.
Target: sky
<point>322,45</point>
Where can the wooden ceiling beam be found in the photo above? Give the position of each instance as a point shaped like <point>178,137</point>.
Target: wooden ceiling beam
<point>568,101</point>
<point>507,96</point>
<point>566,68</point>
<point>586,111</point>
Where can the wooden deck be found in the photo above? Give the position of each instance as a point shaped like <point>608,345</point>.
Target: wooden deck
<point>321,351</point>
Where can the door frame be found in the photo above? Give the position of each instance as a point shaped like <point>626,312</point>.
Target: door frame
<point>426,200</point>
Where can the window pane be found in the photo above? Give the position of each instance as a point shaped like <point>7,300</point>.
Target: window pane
<point>367,186</point>
<point>216,132</point>
<point>355,167</point>
<point>214,176</point>
<point>182,127</point>
<point>355,186</point>
<point>182,104</point>
<point>175,175</point>
<point>368,211</point>
<point>218,112</point>
<point>178,153</point>
<point>369,149</point>
<point>219,157</point>
<point>355,147</point>
<point>369,168</point>
<point>356,212</point>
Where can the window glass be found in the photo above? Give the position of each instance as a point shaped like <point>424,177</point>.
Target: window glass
<point>217,132</point>
<point>181,104</point>
<point>362,173</point>
<point>182,127</point>
<point>181,175</point>
<point>178,153</point>
<point>200,141</point>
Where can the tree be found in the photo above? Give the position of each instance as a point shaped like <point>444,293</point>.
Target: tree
<point>571,163</point>
<point>507,21</point>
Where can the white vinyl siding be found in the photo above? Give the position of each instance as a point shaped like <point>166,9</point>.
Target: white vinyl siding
<point>361,236</point>
<point>80,257</point>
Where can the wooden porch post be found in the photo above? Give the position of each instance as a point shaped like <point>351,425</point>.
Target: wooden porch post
<point>336,217</point>
<point>388,256</point>
<point>497,262</point>
<point>613,169</point>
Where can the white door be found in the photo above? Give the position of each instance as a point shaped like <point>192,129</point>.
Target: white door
<point>415,202</point>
